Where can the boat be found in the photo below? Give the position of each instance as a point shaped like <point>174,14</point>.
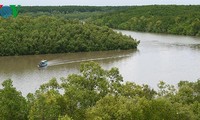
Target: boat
<point>43,63</point>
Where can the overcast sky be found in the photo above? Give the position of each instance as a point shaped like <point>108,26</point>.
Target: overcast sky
<point>98,2</point>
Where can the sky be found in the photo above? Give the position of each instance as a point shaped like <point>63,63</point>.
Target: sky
<point>98,2</point>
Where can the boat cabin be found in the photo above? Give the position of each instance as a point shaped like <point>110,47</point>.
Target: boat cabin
<point>43,63</point>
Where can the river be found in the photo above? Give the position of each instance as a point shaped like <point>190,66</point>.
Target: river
<point>169,58</point>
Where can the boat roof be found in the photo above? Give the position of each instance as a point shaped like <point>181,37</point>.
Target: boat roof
<point>43,60</point>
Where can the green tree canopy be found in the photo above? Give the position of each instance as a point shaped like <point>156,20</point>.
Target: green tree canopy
<point>13,105</point>
<point>27,35</point>
<point>98,94</point>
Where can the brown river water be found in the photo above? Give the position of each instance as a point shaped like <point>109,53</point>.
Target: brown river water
<point>169,58</point>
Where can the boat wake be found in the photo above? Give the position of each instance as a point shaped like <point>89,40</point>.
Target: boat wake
<point>61,62</point>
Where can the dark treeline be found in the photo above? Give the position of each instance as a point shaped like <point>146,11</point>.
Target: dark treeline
<point>182,20</point>
<point>98,94</point>
<point>27,35</point>
<point>70,9</point>
<point>70,12</point>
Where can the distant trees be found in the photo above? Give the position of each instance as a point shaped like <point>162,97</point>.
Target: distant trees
<point>69,9</point>
<point>41,35</point>
<point>182,20</point>
<point>173,19</point>
<point>70,12</point>
<point>98,94</point>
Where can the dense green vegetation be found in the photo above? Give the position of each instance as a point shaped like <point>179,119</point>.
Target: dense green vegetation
<point>69,9</point>
<point>173,19</point>
<point>182,20</point>
<point>70,12</point>
<point>27,35</point>
<point>98,94</point>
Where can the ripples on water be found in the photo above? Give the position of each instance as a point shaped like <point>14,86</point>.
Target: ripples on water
<point>60,62</point>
